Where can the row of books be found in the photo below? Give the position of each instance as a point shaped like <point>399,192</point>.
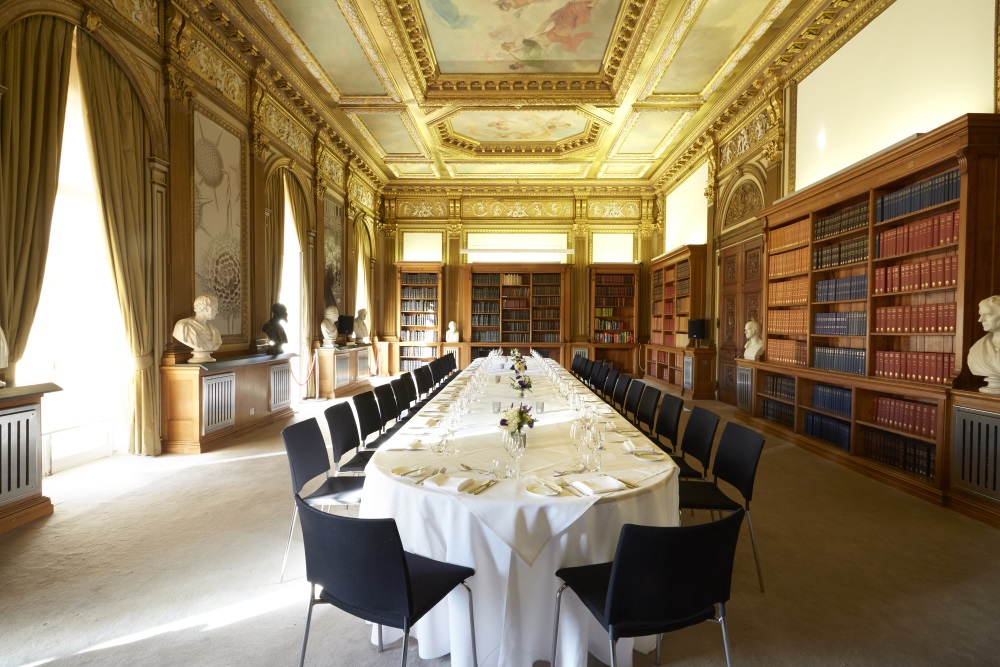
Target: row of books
<point>419,306</point>
<point>684,304</point>
<point>604,312</point>
<point>546,338</point>
<point>418,292</point>
<point>845,220</point>
<point>414,351</point>
<point>516,338</point>
<point>661,338</point>
<point>545,325</point>
<point>842,289</point>
<point>840,359</point>
<point>930,192</point>
<point>901,452</point>
<point>514,279</point>
<point>516,303</point>
<point>422,335</point>
<point>611,302</point>
<point>830,429</point>
<point>418,320</point>
<point>410,364</point>
<point>516,314</point>
<point>787,322</point>
<point>683,270</point>
<point>418,278</point>
<point>841,324</point>
<point>545,290</point>
<point>485,279</point>
<point>789,292</point>
<point>781,413</point>
<point>789,236</point>
<point>780,386</point>
<point>940,271</point>
<point>516,291</point>
<point>838,254</point>
<point>669,291</point>
<point>656,294</point>
<point>515,326</point>
<point>486,320</point>
<point>619,337</point>
<point>485,292</point>
<point>485,307</point>
<point>545,313</point>
<point>787,352</point>
<point>910,416</point>
<point>834,399</point>
<point>614,279</point>
<point>669,274</point>
<point>788,263</point>
<point>545,279</point>
<point>937,230</point>
<point>611,324</point>
<point>929,367</point>
<point>926,319</point>
<point>546,300</point>
<point>683,286</point>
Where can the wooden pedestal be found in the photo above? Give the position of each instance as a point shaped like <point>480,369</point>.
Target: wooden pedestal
<point>343,370</point>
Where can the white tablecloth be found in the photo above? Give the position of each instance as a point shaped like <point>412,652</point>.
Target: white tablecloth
<point>515,539</point>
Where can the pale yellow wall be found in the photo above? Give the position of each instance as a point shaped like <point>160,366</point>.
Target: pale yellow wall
<point>920,64</point>
<point>687,211</point>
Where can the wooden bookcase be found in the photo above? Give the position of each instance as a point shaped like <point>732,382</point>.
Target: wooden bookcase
<point>871,304</point>
<point>677,296</point>
<point>420,325</point>
<point>516,306</point>
<point>613,294</point>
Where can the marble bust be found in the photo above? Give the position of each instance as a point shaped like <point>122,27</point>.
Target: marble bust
<point>754,347</point>
<point>197,333</point>
<point>984,355</point>
<point>452,335</point>
<point>275,330</point>
<point>4,355</point>
<point>329,326</point>
<point>361,327</point>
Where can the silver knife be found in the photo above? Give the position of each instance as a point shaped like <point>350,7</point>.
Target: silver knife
<point>484,487</point>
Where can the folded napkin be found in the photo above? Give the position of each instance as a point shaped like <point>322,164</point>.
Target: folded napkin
<point>631,448</point>
<point>448,483</point>
<point>405,446</point>
<point>598,485</point>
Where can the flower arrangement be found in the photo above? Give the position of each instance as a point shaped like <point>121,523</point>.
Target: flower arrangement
<point>521,383</point>
<point>519,365</point>
<point>514,354</point>
<point>513,419</point>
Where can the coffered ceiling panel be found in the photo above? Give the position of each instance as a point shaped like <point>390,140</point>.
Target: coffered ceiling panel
<point>391,133</point>
<point>648,133</point>
<point>518,125</point>
<point>506,170</point>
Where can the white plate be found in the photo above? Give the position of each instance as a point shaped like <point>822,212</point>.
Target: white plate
<point>631,434</point>
<point>540,490</point>
<point>649,456</point>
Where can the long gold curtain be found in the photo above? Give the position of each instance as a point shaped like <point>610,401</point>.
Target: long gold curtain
<point>34,67</point>
<point>121,146</point>
<point>274,201</point>
<point>300,213</point>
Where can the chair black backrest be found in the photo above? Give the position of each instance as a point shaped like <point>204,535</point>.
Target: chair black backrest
<point>646,412</point>
<point>386,403</point>
<point>306,449</point>
<point>645,586</point>
<point>343,429</point>
<point>437,370</point>
<point>425,382</point>
<point>668,417</point>
<point>699,435</point>
<point>399,393</point>
<point>624,382</point>
<point>409,388</point>
<point>609,383</point>
<point>600,377</point>
<point>450,362</point>
<point>633,396</point>
<point>359,563</point>
<point>588,367</point>
<point>577,366</point>
<point>369,419</point>
<point>737,457</point>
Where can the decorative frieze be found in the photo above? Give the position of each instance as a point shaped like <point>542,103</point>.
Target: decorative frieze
<point>279,124</point>
<point>618,210</point>
<point>750,136</point>
<point>213,68</point>
<point>744,202</point>
<point>144,14</point>
<point>421,208</point>
<point>360,193</point>
<point>331,169</point>
<point>517,209</point>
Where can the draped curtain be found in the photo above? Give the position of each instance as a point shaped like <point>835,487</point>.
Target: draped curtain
<point>121,146</point>
<point>274,201</point>
<point>34,65</point>
<point>300,212</point>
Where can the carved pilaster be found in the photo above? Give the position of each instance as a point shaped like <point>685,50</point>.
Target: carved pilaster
<point>178,30</point>
<point>179,89</point>
<point>710,187</point>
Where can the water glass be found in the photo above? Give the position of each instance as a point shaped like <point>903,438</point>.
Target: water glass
<point>496,407</point>
<point>592,459</point>
<point>539,407</point>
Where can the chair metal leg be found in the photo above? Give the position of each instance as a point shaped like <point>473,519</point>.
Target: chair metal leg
<point>614,653</point>
<point>756,556</point>
<point>380,647</point>
<point>659,643</point>
<point>472,626</point>
<point>288,545</point>
<point>406,643</point>
<point>725,633</point>
<point>555,629</point>
<point>305,637</point>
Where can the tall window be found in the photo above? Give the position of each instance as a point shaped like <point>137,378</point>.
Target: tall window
<point>290,293</point>
<point>77,339</point>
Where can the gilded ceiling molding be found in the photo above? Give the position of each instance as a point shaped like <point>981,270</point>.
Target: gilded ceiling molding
<point>179,89</point>
<point>178,30</point>
<point>357,26</point>
<point>685,20</point>
<point>91,20</point>
<point>421,208</point>
<point>620,210</point>
<point>211,65</point>
<point>275,18</point>
<point>411,129</point>
<point>516,209</point>
<point>576,143</point>
<point>761,27</point>
<point>581,229</point>
<point>144,14</point>
<point>632,50</point>
<point>386,18</point>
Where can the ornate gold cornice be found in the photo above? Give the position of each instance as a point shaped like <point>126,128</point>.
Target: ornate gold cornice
<point>613,209</point>
<point>143,14</point>
<point>421,208</point>
<point>360,193</point>
<point>484,208</point>
<point>578,142</point>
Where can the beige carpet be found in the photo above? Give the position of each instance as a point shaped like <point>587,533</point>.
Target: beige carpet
<point>174,561</point>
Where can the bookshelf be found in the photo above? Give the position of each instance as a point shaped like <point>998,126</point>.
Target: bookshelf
<point>868,308</point>
<point>522,306</point>
<point>614,335</point>
<point>420,326</point>
<point>677,295</point>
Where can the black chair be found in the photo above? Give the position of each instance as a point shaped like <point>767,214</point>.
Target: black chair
<point>668,419</point>
<point>307,459</point>
<point>401,398</point>
<point>699,436</point>
<point>621,389</point>
<point>632,398</point>
<point>425,382</point>
<point>361,568</point>
<point>661,580</point>
<point>387,406</point>
<point>646,412</point>
<point>735,463</point>
<point>607,391</point>
<point>577,366</point>
<point>588,368</point>
<point>600,377</point>
<point>344,438</point>
<point>369,419</point>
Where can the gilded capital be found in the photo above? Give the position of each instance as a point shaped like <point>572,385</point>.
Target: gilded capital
<point>178,87</point>
<point>386,229</point>
<point>91,20</point>
<point>454,230</point>
<point>581,229</point>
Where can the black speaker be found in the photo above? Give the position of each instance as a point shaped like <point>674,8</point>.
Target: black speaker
<point>696,329</point>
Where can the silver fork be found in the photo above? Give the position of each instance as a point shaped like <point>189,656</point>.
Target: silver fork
<point>435,471</point>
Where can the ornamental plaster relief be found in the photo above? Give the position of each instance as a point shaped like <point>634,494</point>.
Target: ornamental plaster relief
<point>144,14</point>
<point>751,135</point>
<point>274,119</point>
<point>617,210</point>
<point>517,209</point>
<point>361,194</point>
<point>210,65</point>
<point>331,169</point>
<point>421,209</point>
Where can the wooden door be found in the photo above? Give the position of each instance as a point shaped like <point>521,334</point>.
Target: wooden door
<point>741,282</point>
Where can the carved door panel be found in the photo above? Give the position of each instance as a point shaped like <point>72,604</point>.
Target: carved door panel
<point>740,300</point>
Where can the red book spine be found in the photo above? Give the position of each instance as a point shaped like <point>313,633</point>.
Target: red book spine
<point>932,421</point>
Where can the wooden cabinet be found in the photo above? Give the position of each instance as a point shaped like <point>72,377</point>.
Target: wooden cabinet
<point>872,304</point>
<point>613,292</point>
<point>678,296</point>
<point>420,325</point>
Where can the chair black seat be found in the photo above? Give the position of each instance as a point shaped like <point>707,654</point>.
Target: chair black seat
<point>358,462</point>
<point>685,469</point>
<point>337,491</point>
<point>706,496</point>
<point>431,580</point>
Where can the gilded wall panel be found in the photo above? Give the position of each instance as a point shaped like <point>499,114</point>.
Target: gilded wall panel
<point>360,193</point>
<point>144,15</point>
<point>484,208</point>
<point>212,66</point>
<point>276,121</point>
<point>617,210</point>
<point>421,208</point>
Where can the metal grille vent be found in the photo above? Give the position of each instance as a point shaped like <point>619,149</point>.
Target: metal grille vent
<point>218,402</point>
<point>744,388</point>
<point>281,386</point>
<point>974,451</point>
<point>20,454</point>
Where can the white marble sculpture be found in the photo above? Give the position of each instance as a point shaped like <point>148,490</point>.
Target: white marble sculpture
<point>4,355</point>
<point>329,326</point>
<point>984,355</point>
<point>754,347</point>
<point>452,335</point>
<point>197,333</point>
<point>361,327</point>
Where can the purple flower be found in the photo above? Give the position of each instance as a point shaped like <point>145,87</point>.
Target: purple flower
<point>503,422</point>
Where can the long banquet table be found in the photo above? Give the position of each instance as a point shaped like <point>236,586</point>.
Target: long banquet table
<point>515,539</point>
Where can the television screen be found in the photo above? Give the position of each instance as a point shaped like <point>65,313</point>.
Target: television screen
<point>696,329</point>
<point>345,325</point>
